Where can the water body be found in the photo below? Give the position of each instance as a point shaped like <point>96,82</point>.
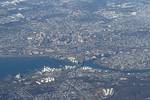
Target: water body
<point>15,65</point>
<point>108,69</point>
<point>23,65</point>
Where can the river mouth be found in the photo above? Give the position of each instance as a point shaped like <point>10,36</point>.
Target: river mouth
<point>24,65</point>
<point>108,69</point>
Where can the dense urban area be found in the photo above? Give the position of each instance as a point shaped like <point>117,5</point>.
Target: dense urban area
<point>85,29</point>
<point>75,83</point>
<point>112,34</point>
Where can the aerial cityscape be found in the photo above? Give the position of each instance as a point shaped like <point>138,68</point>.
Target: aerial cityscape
<point>74,50</point>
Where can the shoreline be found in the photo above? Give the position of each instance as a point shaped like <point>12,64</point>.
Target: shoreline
<point>87,63</point>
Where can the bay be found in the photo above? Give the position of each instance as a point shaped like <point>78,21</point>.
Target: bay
<point>23,65</point>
